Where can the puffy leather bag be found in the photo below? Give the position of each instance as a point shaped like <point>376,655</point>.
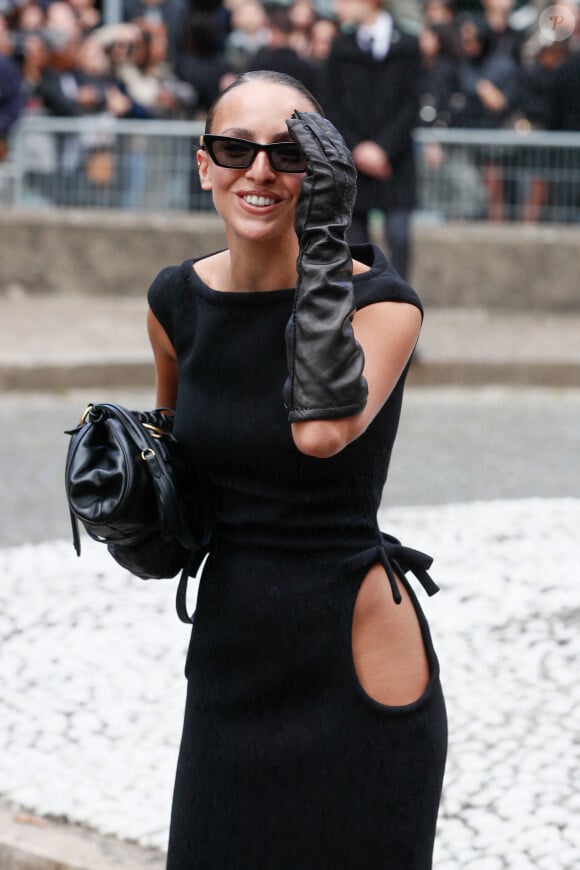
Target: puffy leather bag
<point>122,478</point>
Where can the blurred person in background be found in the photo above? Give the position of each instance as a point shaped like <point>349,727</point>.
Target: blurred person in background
<point>438,12</point>
<point>488,80</point>
<point>564,115</point>
<point>204,64</point>
<point>30,17</point>
<point>79,81</point>
<point>150,81</point>
<point>503,38</point>
<point>38,149</point>
<point>148,76</point>
<point>278,55</point>
<point>542,57</point>
<point>62,22</point>
<point>450,172</point>
<point>88,14</point>
<point>487,98</point>
<point>35,58</point>
<point>372,94</point>
<point>11,88</point>
<point>564,97</point>
<point>302,18</point>
<point>438,80</point>
<point>173,14</point>
<point>322,34</point>
<point>248,32</point>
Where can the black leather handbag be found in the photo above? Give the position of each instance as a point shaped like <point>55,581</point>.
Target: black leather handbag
<point>127,485</point>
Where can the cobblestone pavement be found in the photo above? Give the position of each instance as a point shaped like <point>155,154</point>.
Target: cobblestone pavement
<point>92,683</point>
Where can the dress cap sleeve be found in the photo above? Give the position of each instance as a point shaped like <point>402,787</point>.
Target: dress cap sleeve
<point>382,283</point>
<point>161,297</point>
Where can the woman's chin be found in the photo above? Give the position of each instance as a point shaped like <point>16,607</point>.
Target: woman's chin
<point>257,231</point>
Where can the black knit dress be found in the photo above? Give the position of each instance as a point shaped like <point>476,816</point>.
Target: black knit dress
<point>286,763</point>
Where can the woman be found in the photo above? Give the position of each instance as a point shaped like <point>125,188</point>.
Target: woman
<point>438,79</point>
<point>488,80</point>
<point>314,733</point>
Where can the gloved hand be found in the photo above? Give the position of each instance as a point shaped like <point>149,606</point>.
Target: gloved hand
<point>325,362</point>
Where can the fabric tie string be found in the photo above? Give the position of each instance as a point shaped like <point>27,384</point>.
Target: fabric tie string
<point>394,557</point>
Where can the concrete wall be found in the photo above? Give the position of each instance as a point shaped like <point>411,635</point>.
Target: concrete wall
<point>515,267</point>
<point>510,266</point>
<point>96,252</point>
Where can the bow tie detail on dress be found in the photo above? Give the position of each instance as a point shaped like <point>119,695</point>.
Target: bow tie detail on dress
<point>394,557</point>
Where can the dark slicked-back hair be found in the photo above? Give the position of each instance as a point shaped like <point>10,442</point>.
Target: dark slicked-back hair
<point>267,75</point>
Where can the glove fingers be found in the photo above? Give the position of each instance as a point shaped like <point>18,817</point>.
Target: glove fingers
<point>318,138</point>
<point>329,188</point>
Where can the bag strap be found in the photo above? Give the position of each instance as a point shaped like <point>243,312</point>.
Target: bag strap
<point>181,596</point>
<point>75,532</point>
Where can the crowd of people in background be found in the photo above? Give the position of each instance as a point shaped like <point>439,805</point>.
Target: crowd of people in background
<point>481,63</point>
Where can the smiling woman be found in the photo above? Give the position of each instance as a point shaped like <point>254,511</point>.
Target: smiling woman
<point>314,732</point>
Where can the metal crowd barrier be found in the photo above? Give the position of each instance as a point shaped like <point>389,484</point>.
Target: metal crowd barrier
<point>97,161</point>
<point>499,175</point>
<point>102,162</point>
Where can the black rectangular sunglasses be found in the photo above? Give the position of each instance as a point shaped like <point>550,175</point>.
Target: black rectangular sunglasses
<point>233,153</point>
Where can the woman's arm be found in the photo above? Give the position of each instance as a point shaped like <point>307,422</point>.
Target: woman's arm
<point>387,333</point>
<point>165,358</point>
<point>341,369</point>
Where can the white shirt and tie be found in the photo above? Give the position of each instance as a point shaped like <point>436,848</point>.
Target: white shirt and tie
<point>376,38</point>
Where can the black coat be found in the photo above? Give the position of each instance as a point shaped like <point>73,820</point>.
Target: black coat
<point>11,94</point>
<point>535,97</point>
<point>377,100</point>
<point>288,61</point>
<point>565,101</point>
<point>502,71</point>
<point>437,84</point>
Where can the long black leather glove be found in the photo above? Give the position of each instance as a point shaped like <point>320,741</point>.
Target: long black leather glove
<point>325,362</point>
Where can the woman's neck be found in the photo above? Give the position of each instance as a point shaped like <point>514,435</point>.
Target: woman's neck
<point>256,266</point>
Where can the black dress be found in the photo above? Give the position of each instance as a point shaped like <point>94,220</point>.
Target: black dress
<point>286,763</point>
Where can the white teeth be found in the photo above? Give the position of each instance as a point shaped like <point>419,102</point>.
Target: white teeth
<point>259,200</point>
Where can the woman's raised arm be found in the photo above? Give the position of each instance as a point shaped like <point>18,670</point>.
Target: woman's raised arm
<point>387,333</point>
<point>341,368</point>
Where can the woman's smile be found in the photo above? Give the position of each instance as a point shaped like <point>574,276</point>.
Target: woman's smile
<point>257,200</point>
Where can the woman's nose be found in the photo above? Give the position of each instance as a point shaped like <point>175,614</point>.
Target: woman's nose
<point>260,167</point>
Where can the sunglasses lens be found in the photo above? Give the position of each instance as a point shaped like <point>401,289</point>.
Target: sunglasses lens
<point>232,153</point>
<point>238,154</point>
<point>287,157</point>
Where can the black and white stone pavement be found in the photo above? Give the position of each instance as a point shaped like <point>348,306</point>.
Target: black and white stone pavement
<point>92,684</point>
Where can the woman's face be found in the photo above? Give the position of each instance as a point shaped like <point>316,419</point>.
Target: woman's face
<point>470,44</point>
<point>257,203</point>
<point>429,43</point>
